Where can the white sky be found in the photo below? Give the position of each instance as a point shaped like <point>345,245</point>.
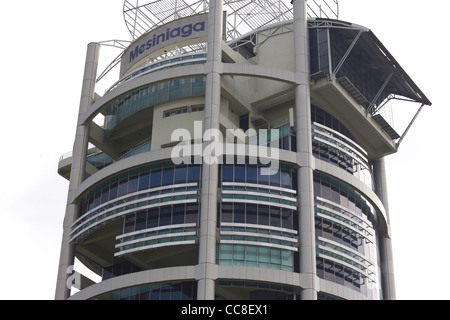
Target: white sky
<point>43,53</point>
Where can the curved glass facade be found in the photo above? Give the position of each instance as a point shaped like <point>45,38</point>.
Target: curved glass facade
<point>333,143</point>
<point>100,160</point>
<point>141,148</point>
<point>159,226</point>
<point>258,218</point>
<point>346,224</point>
<point>186,290</point>
<point>179,61</point>
<point>140,190</point>
<point>346,227</point>
<point>253,290</point>
<point>138,179</point>
<point>154,94</point>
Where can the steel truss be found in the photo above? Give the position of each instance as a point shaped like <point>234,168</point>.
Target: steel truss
<point>243,16</point>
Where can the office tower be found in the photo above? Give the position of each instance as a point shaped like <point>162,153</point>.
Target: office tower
<point>235,164</point>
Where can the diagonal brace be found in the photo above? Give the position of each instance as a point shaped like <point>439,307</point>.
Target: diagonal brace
<point>410,125</point>
<point>374,101</point>
<point>339,66</point>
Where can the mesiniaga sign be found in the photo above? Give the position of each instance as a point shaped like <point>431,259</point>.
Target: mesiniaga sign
<point>180,32</point>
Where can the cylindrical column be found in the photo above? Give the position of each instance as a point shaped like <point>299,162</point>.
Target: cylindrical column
<point>210,171</point>
<point>304,154</point>
<point>77,173</point>
<point>387,262</point>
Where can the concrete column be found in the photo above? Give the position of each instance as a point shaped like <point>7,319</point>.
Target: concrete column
<point>67,256</point>
<point>304,153</point>
<point>207,268</point>
<point>387,262</point>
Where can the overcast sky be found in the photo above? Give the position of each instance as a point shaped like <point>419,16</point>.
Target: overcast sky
<point>43,53</point>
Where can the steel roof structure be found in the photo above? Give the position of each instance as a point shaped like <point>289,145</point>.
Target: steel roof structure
<point>246,16</point>
<point>243,16</point>
<point>374,56</point>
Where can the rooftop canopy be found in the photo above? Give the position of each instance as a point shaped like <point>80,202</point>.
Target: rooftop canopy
<point>363,65</point>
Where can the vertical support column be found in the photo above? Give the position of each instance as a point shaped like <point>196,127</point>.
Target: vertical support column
<point>77,173</point>
<point>304,154</point>
<point>207,268</point>
<point>387,262</point>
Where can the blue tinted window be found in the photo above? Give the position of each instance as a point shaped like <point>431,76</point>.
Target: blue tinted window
<point>180,174</point>
<point>155,179</point>
<point>252,174</point>
<point>194,174</point>
<point>286,179</point>
<point>252,217</point>
<point>105,194</point>
<point>262,179</point>
<point>123,184</point>
<point>141,220</point>
<point>239,173</point>
<point>144,180</point>
<point>165,292</point>
<point>133,184</point>
<point>275,179</point>
<point>227,173</point>
<point>113,191</point>
<point>154,295</point>
<point>275,218</point>
<point>97,199</point>
<point>239,213</point>
<point>287,218</point>
<point>178,214</point>
<point>263,215</point>
<point>176,293</point>
<point>129,223</point>
<point>152,220</point>
<point>165,216</point>
<point>167,178</point>
<point>144,294</point>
